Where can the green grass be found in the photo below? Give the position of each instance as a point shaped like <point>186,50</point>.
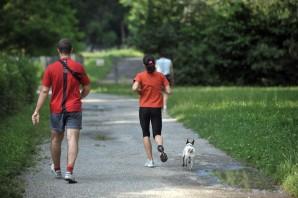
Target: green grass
<point>126,52</point>
<point>255,125</point>
<point>18,140</point>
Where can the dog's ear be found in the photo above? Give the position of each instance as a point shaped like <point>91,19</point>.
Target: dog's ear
<point>187,141</point>
<point>193,141</point>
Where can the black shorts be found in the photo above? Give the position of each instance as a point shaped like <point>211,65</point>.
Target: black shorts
<point>147,114</point>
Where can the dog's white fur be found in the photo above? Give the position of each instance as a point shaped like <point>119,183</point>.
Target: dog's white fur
<point>188,154</point>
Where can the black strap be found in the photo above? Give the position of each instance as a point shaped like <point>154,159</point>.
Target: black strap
<point>64,86</point>
<point>76,75</point>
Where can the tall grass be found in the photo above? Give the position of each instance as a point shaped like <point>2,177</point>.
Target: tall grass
<point>256,125</point>
<point>18,140</point>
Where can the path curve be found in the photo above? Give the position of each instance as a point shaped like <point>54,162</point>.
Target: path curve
<point>111,159</point>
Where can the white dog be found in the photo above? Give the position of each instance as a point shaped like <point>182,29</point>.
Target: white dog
<point>188,154</point>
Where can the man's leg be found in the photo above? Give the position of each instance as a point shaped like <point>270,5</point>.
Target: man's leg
<point>72,148</point>
<point>165,101</point>
<point>148,147</point>
<point>56,140</point>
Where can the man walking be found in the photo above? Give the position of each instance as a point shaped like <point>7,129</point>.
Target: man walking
<point>150,84</point>
<point>165,66</point>
<point>65,78</point>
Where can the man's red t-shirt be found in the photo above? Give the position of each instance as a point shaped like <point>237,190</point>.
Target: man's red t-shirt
<point>151,85</point>
<point>53,77</point>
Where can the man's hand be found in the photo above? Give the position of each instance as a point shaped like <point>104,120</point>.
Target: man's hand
<point>35,118</point>
<point>139,91</point>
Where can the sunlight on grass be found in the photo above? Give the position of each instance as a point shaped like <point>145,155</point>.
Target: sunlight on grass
<point>126,52</point>
<point>258,125</point>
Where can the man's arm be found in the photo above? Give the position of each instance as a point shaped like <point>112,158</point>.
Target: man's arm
<point>168,89</point>
<point>44,92</point>
<point>85,91</point>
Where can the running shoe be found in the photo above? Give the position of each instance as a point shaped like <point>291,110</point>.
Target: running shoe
<point>149,164</point>
<point>57,173</point>
<point>70,178</point>
<point>163,155</point>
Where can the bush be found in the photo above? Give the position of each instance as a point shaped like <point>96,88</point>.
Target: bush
<point>18,82</point>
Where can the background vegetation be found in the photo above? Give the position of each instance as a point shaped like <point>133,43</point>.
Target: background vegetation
<point>212,42</point>
<point>18,83</point>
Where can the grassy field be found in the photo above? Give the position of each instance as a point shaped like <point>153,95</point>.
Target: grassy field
<point>18,140</point>
<point>255,125</point>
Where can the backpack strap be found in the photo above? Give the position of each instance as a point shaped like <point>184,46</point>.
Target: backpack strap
<point>76,75</point>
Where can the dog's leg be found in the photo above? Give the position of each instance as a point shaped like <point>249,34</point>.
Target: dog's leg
<point>191,163</point>
<point>183,158</point>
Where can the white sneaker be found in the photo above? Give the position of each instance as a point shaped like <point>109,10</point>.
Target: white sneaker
<point>149,164</point>
<point>57,173</point>
<point>70,178</point>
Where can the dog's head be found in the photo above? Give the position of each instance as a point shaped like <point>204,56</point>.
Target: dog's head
<point>190,142</point>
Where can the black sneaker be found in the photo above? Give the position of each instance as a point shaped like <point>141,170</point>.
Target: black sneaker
<point>163,155</point>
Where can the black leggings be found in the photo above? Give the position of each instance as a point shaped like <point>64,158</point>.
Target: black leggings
<point>147,114</point>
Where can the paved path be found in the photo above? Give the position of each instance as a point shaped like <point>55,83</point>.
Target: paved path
<point>113,167</point>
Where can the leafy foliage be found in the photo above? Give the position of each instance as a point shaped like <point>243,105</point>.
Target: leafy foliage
<point>102,21</point>
<point>36,26</point>
<point>243,42</point>
<point>18,83</point>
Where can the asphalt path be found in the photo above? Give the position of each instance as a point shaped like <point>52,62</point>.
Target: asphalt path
<point>111,160</point>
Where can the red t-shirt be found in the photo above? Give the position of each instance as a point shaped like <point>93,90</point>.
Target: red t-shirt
<point>53,77</point>
<point>151,88</point>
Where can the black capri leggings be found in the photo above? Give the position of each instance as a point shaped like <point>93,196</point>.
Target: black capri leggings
<point>147,114</point>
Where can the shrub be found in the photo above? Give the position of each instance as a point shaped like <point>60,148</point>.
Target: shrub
<point>18,82</point>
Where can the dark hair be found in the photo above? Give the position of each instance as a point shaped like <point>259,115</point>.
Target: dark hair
<point>149,60</point>
<point>149,63</point>
<point>64,46</point>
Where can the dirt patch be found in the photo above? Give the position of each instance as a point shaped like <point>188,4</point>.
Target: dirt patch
<point>102,137</point>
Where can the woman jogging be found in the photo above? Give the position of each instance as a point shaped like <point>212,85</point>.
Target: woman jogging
<point>150,85</point>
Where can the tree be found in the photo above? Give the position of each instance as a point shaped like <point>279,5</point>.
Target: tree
<point>102,21</point>
<point>245,42</point>
<point>36,26</point>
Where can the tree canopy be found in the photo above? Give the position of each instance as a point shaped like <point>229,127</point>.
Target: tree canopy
<point>244,42</point>
<point>36,26</point>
